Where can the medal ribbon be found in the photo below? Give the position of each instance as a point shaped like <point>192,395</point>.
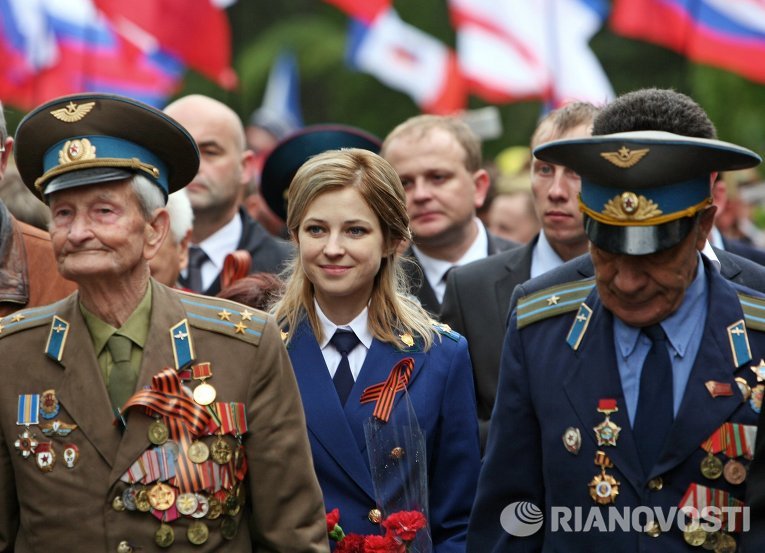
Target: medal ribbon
<point>385,392</point>
<point>717,442</point>
<point>738,444</point>
<point>183,417</point>
<point>699,497</point>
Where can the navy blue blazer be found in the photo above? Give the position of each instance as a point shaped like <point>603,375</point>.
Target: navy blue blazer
<point>441,391</point>
<point>547,387</point>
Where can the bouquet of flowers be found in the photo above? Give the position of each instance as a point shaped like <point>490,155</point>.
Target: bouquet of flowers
<point>400,530</point>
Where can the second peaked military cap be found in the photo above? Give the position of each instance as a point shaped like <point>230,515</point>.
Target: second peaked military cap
<point>92,138</point>
<point>286,158</point>
<point>642,190</point>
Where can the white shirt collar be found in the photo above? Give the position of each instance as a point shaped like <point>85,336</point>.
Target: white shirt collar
<point>359,325</point>
<point>435,269</point>
<point>223,241</point>
<point>544,258</point>
<point>710,253</point>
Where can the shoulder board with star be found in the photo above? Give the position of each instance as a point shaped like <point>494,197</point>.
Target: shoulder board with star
<point>552,301</point>
<point>26,319</point>
<point>446,330</point>
<point>224,317</point>
<point>754,311</point>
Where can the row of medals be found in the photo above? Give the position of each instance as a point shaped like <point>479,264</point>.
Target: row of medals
<point>604,488</point>
<point>161,496</point>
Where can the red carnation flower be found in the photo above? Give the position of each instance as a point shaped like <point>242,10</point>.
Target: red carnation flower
<point>333,517</point>
<point>383,544</point>
<point>352,543</point>
<point>405,524</point>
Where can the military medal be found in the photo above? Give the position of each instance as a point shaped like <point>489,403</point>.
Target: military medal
<point>158,432</point>
<point>228,528</point>
<point>197,532</point>
<point>603,487</point>
<point>710,544</point>
<point>198,452</point>
<point>607,432</point>
<point>203,506</point>
<point>694,535</point>
<point>220,451</point>
<point>57,428</point>
<point>45,457</point>
<point>28,414</point>
<point>142,502</point>
<point>204,393</point>
<point>161,496</point>
<point>734,472</point>
<point>725,543</point>
<point>164,536</point>
<point>215,508</point>
<point>128,498</point>
<point>738,445</point>
<point>743,385</point>
<point>572,440</point>
<point>117,504</point>
<point>711,466</point>
<point>187,504</point>
<point>49,405</point>
<point>755,402</point>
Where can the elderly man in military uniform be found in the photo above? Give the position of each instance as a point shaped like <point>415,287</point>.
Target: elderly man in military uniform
<point>134,417</point>
<point>626,409</point>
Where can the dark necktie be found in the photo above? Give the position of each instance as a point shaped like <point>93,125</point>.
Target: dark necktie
<point>344,342</point>
<point>122,378</point>
<point>655,411</point>
<point>197,257</point>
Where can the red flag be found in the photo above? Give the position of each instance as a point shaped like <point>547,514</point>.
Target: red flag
<point>196,31</point>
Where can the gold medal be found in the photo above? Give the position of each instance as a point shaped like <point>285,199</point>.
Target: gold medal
<point>158,433</point>
<point>164,536</point>
<point>711,542</point>
<point>204,394</point>
<point>216,508</point>
<point>198,452</point>
<point>603,487</point>
<point>228,528</point>
<point>694,535</point>
<point>725,544</point>
<point>711,467</point>
<point>161,496</point>
<point>734,472</point>
<point>203,506</point>
<point>117,504</point>
<point>198,532</point>
<point>607,432</point>
<point>220,451</point>
<point>187,504</point>
<point>142,502</point>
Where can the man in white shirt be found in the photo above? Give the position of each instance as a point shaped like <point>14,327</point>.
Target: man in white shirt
<point>439,161</point>
<point>221,225</point>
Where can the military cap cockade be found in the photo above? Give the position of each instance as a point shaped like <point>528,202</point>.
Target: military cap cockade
<point>286,158</point>
<point>92,138</point>
<point>641,190</point>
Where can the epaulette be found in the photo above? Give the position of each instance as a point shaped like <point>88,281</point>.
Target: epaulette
<point>754,311</point>
<point>224,316</point>
<point>552,301</point>
<point>446,330</point>
<point>27,318</point>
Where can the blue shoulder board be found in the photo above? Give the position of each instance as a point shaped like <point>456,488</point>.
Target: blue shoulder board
<point>552,301</point>
<point>27,318</point>
<point>754,311</point>
<point>445,329</point>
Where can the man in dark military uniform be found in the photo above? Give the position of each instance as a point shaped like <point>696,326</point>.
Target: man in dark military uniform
<point>134,417</point>
<point>626,398</point>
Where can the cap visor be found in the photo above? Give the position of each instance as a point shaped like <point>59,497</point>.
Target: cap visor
<point>84,177</point>
<point>637,240</point>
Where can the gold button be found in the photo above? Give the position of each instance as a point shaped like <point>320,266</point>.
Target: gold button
<point>124,547</point>
<point>375,516</point>
<point>118,504</point>
<point>652,529</point>
<point>397,452</point>
<point>656,484</point>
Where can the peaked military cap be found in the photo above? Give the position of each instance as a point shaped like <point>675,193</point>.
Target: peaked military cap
<point>93,138</point>
<point>286,158</point>
<point>641,190</point>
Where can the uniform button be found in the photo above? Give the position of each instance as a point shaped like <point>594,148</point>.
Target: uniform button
<point>124,547</point>
<point>656,484</point>
<point>118,504</point>
<point>375,516</point>
<point>652,529</point>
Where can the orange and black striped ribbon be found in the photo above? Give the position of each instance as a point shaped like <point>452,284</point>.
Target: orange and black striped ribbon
<point>183,418</point>
<point>384,393</point>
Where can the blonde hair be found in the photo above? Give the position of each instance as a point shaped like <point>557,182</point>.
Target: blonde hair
<point>391,311</point>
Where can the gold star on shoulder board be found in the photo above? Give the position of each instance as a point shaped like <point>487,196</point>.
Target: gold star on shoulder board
<point>246,315</point>
<point>17,317</point>
<point>239,328</point>
<point>553,300</point>
<point>225,315</point>
<point>759,370</point>
<point>407,339</point>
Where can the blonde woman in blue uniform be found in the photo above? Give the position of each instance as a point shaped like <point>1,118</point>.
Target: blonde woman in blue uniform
<point>347,216</point>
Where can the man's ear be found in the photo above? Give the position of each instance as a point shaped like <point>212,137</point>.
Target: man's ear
<point>482,182</point>
<point>706,222</point>
<point>157,228</point>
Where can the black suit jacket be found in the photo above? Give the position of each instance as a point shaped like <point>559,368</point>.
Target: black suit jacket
<point>419,285</point>
<point>476,305</point>
<point>269,254</point>
<point>739,247</point>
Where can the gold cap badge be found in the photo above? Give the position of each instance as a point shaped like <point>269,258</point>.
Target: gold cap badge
<point>625,158</point>
<point>72,112</point>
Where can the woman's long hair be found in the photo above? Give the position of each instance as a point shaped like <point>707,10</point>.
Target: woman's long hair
<point>392,312</point>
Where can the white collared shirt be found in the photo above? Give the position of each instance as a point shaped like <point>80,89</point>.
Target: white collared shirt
<point>544,258</point>
<point>217,246</point>
<point>710,253</point>
<point>435,269</point>
<point>356,357</point>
